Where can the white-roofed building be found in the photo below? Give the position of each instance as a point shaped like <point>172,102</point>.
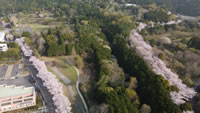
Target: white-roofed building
<point>16,94</point>
<point>2,37</point>
<point>3,47</point>
<point>16,97</point>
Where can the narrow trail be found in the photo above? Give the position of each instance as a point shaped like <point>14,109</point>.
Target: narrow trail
<point>77,86</point>
<point>78,90</point>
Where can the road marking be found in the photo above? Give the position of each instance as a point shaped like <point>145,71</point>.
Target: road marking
<point>9,71</point>
<point>21,66</point>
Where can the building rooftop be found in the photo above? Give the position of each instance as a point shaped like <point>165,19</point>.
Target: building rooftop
<point>16,87</point>
<point>11,91</point>
<point>2,37</point>
<point>3,47</point>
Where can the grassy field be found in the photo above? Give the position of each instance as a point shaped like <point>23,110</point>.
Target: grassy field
<point>36,23</point>
<point>39,27</point>
<point>63,67</point>
<point>175,36</point>
<point>66,69</point>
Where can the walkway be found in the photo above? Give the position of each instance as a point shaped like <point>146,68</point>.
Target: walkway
<point>66,81</point>
<point>78,89</point>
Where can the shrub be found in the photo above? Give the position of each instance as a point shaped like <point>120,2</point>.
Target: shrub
<point>186,107</point>
<point>26,34</point>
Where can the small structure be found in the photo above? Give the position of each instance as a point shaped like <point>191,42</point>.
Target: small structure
<point>2,37</point>
<point>134,5</point>
<point>165,40</point>
<point>53,63</point>
<point>16,94</point>
<point>41,15</point>
<point>3,47</point>
<point>9,37</point>
<point>169,13</point>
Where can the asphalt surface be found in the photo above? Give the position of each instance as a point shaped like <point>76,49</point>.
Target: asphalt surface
<point>15,70</point>
<point>3,70</point>
<point>47,97</point>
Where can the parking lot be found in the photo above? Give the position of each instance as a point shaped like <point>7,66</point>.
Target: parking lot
<point>12,70</point>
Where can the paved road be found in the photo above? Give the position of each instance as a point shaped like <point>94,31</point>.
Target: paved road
<point>15,70</point>
<point>3,70</point>
<point>47,97</point>
<point>9,71</point>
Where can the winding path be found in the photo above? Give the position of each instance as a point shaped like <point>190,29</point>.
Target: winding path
<point>78,89</point>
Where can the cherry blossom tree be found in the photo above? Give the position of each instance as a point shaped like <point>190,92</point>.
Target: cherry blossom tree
<point>158,66</point>
<point>54,87</point>
<point>188,111</point>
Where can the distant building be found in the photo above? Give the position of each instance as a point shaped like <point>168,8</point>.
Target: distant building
<point>165,40</point>
<point>169,13</point>
<point>2,37</point>
<point>41,15</point>
<point>134,5</point>
<point>3,47</point>
<point>16,94</point>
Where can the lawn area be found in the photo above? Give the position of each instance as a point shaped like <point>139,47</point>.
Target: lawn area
<point>65,68</point>
<point>175,36</point>
<point>36,23</point>
<point>39,27</point>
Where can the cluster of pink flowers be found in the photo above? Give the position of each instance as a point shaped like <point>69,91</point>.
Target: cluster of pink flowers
<point>158,66</point>
<point>188,111</point>
<point>54,87</point>
<point>25,48</point>
<point>159,23</point>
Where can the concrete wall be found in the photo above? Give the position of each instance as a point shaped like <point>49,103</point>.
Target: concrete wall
<point>17,102</point>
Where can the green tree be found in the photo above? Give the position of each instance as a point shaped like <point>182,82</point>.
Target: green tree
<point>145,109</point>
<point>26,34</point>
